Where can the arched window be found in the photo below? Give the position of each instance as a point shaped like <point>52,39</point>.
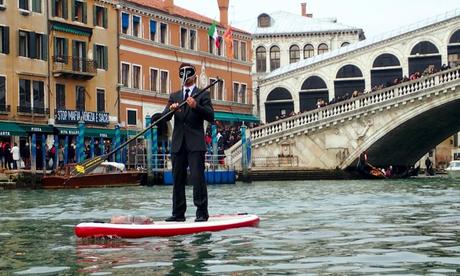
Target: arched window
<point>313,90</point>
<point>386,70</point>
<point>349,71</point>
<point>349,80</point>
<point>424,48</point>
<point>308,51</point>
<point>322,48</point>
<point>261,59</point>
<point>345,44</point>
<point>274,58</point>
<point>263,21</point>
<point>455,38</point>
<point>386,60</point>
<point>279,104</point>
<point>294,54</point>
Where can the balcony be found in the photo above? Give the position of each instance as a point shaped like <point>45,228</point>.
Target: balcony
<point>27,110</point>
<point>4,109</point>
<point>74,67</point>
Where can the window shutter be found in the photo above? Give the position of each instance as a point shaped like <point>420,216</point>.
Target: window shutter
<point>6,40</point>
<point>66,53</point>
<point>74,48</point>
<point>106,58</point>
<point>32,43</point>
<point>94,15</point>
<point>73,10</point>
<point>85,12</point>
<point>64,9</point>
<point>53,8</point>
<point>55,48</point>
<point>45,46</point>
<point>95,56</point>
<point>104,18</point>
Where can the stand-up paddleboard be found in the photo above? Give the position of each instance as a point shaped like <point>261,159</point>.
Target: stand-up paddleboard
<point>163,228</point>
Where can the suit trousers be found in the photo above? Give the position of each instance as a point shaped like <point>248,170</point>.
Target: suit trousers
<point>195,161</point>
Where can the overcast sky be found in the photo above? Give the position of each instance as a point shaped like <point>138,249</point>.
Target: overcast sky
<point>373,16</point>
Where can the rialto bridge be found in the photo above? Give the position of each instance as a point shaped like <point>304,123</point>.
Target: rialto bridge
<point>396,125</point>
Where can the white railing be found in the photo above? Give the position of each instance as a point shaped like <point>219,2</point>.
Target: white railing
<point>349,107</point>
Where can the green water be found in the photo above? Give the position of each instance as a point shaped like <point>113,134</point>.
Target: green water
<point>317,227</point>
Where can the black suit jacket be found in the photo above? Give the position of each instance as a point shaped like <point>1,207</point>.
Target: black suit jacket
<point>189,122</point>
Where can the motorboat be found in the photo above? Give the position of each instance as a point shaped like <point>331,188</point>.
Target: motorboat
<point>454,169</point>
<point>107,174</point>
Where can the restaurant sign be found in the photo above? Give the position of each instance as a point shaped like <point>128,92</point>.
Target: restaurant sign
<point>75,116</point>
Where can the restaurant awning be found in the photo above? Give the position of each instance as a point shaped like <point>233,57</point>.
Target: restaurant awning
<point>11,129</point>
<point>235,117</point>
<point>89,132</point>
<point>37,128</point>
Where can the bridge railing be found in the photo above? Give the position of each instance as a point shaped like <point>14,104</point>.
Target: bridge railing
<point>362,102</point>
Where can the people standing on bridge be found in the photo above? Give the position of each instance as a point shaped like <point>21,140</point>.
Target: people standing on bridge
<point>188,144</point>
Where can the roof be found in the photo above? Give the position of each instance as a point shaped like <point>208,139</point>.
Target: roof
<point>363,43</point>
<point>181,12</point>
<point>288,23</point>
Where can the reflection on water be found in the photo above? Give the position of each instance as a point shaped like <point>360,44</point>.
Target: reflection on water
<point>331,227</point>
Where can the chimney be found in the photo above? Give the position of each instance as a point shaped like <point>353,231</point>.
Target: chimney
<point>304,10</point>
<point>169,5</point>
<point>223,8</point>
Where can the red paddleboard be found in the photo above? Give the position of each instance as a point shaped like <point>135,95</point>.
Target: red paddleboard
<point>163,228</point>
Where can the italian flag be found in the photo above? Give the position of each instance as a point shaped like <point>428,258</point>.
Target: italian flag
<point>213,33</point>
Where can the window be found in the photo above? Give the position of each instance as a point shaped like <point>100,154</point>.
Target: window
<point>33,45</point>
<point>60,49</point>
<point>243,51</point>
<point>59,8</point>
<point>79,11</point>
<point>132,117</point>
<point>308,51</point>
<point>154,80</point>
<point>261,59</point>
<point>163,33</point>
<point>164,80</point>
<point>153,30</point>
<point>236,89</point>
<point>4,39</point>
<point>274,58</point>
<point>217,91</point>
<point>37,6</point>
<point>24,5</point>
<point>101,56</point>
<point>263,20</point>
<point>242,94</point>
<point>124,23</point>
<point>26,88</point>
<point>322,48</point>
<point>345,44</point>
<point>60,96</point>
<point>137,77</point>
<point>125,74</point>
<point>100,94</point>
<point>183,37</point>
<point>192,40</point>
<point>211,45</point>
<point>235,49</point>
<point>294,54</point>
<point>100,16</point>
<point>136,26</point>
<point>80,97</point>
<point>3,106</point>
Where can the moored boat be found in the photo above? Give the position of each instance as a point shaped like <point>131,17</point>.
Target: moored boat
<point>454,169</point>
<point>108,174</point>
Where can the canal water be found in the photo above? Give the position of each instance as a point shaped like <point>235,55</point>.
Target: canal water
<point>319,227</point>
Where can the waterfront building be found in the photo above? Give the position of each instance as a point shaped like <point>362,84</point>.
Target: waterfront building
<point>282,38</point>
<point>156,37</point>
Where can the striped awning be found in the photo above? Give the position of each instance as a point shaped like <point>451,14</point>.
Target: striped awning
<point>71,29</point>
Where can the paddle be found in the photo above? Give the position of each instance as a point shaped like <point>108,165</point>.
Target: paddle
<point>88,165</point>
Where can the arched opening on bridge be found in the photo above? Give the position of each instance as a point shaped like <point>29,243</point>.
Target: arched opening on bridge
<point>349,78</point>
<point>385,70</point>
<point>423,55</point>
<point>279,104</point>
<point>453,49</point>
<point>313,89</point>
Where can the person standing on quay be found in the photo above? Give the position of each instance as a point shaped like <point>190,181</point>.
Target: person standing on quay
<point>16,156</point>
<point>188,144</point>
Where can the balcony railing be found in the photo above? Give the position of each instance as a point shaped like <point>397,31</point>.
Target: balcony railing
<point>74,67</point>
<point>33,110</point>
<point>4,108</point>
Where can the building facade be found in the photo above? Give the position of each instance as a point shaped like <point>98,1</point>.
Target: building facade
<point>282,38</point>
<point>156,37</point>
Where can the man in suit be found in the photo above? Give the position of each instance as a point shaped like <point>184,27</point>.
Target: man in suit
<point>188,144</point>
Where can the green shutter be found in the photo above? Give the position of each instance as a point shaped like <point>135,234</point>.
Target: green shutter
<point>74,48</point>
<point>73,10</point>
<point>106,58</point>
<point>84,50</point>
<point>94,15</point>
<point>64,9</point>
<point>104,18</point>
<point>6,40</point>
<point>53,10</point>
<point>66,53</point>
<point>85,17</point>
<point>95,56</point>
<point>32,44</point>
<point>45,46</point>
<point>55,48</point>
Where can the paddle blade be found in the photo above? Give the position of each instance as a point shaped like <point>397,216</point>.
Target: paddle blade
<point>88,165</point>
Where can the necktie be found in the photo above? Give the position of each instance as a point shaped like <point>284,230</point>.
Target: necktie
<point>186,94</point>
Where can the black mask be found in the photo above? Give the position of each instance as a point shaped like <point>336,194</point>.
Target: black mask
<point>186,72</point>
